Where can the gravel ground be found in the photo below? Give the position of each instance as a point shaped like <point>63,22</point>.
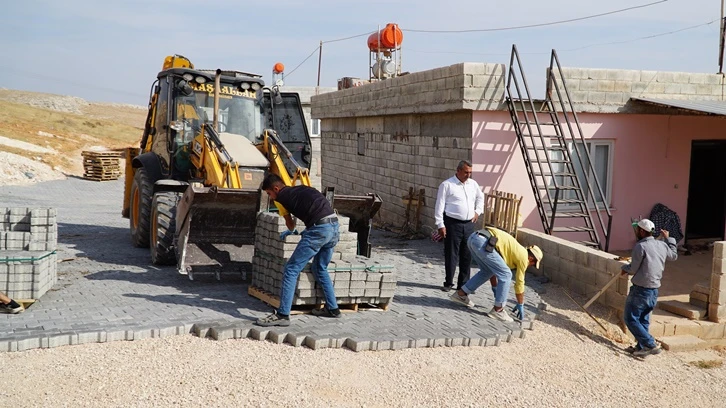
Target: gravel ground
<point>563,362</point>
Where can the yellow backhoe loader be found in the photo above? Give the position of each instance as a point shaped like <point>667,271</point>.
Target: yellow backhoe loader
<point>192,186</point>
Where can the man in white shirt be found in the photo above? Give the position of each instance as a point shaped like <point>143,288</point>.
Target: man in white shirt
<point>459,203</point>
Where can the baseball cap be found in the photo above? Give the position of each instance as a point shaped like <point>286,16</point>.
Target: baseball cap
<point>645,224</point>
<point>534,249</point>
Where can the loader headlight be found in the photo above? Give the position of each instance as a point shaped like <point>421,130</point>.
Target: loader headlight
<point>200,79</point>
<point>188,77</point>
<point>256,86</point>
<point>245,86</point>
<point>177,125</point>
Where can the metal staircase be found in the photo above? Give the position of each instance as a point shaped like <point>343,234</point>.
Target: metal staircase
<point>555,152</point>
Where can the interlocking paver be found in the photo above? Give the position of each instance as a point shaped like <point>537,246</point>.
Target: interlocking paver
<point>109,291</point>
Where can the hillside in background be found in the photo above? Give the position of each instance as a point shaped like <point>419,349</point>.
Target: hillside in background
<point>42,135</point>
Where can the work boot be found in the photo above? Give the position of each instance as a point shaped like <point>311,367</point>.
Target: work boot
<point>462,300</point>
<point>632,349</point>
<point>325,312</point>
<point>647,351</point>
<point>273,320</point>
<point>11,308</point>
<point>500,315</point>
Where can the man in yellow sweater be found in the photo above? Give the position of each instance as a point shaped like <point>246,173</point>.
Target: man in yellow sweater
<point>497,254</point>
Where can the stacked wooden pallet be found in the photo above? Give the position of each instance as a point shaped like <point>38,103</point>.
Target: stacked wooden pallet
<point>101,166</point>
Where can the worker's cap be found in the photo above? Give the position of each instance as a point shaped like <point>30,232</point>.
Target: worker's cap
<point>534,250</point>
<point>645,224</point>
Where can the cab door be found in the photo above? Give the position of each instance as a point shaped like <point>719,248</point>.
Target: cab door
<point>288,120</point>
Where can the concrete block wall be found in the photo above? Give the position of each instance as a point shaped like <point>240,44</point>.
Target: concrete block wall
<point>472,86</point>
<point>28,240</point>
<point>579,269</point>
<point>717,298</point>
<point>355,279</point>
<point>609,90</point>
<point>388,155</point>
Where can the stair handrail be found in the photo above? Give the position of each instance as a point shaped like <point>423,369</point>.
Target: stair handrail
<point>552,84</point>
<point>512,78</point>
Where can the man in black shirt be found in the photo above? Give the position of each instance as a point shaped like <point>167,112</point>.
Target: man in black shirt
<point>317,242</point>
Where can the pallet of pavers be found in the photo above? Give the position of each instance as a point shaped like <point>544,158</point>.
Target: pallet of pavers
<point>101,166</point>
<point>359,282</point>
<point>28,261</point>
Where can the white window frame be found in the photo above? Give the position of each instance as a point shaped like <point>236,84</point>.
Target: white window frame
<point>314,123</point>
<point>606,185</point>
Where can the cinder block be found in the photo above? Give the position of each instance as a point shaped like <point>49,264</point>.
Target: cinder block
<point>719,250</point>
<point>718,267</point>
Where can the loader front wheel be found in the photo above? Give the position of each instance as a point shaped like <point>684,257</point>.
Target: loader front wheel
<point>163,227</point>
<point>140,208</point>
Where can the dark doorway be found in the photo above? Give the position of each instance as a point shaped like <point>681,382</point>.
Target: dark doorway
<point>706,215</point>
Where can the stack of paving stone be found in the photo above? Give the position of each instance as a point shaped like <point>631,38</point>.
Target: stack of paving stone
<point>101,166</point>
<point>356,279</point>
<point>28,262</point>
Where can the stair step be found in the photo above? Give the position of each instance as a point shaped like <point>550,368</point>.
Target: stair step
<point>555,188</point>
<point>588,244</point>
<point>566,201</point>
<point>682,309</point>
<point>565,214</point>
<point>572,229</point>
<point>556,174</point>
<point>547,149</point>
<point>683,343</point>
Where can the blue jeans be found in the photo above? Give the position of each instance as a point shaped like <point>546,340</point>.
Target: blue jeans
<point>316,243</point>
<point>490,263</point>
<point>638,305</point>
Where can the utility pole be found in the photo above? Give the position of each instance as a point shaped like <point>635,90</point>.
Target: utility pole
<point>721,40</point>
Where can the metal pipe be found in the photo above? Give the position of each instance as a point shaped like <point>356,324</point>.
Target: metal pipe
<point>320,61</point>
<point>215,116</point>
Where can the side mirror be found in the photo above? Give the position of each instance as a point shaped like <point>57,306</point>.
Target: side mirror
<point>276,96</point>
<point>184,87</point>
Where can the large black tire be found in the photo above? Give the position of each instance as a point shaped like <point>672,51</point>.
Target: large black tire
<point>163,227</point>
<point>140,208</point>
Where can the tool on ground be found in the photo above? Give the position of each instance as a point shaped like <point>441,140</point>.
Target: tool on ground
<point>585,310</point>
<point>604,288</point>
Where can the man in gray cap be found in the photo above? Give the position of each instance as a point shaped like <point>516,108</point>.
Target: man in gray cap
<point>646,267</point>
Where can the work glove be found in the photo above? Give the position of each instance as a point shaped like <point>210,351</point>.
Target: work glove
<point>518,311</point>
<point>288,232</point>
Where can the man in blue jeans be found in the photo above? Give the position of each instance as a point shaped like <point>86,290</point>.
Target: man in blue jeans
<point>317,242</point>
<point>497,253</point>
<point>646,266</point>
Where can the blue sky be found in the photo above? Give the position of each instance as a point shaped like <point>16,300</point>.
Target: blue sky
<point>111,51</point>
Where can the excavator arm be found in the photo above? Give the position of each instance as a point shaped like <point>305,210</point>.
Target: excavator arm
<point>272,147</point>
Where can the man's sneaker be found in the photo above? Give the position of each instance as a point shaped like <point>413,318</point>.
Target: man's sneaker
<point>500,315</point>
<point>464,300</point>
<point>646,351</point>
<point>325,312</point>
<point>633,349</point>
<point>273,320</point>
<point>11,308</point>
<point>447,288</point>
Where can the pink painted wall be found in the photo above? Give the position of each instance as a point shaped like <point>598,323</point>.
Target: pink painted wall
<point>651,162</point>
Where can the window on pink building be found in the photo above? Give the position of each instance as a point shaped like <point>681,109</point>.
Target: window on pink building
<point>601,153</point>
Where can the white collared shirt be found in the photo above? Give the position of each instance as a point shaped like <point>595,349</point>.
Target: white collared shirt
<point>458,200</point>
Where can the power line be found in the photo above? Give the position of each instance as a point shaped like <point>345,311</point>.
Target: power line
<point>537,25</point>
<point>303,61</point>
<point>571,49</point>
<point>348,38</point>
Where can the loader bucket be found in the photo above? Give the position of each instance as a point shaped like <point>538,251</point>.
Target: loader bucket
<point>360,210</point>
<point>212,226</point>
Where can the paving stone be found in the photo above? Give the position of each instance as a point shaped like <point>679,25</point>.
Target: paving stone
<point>117,295</point>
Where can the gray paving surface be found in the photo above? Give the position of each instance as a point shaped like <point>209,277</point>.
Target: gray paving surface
<point>108,290</point>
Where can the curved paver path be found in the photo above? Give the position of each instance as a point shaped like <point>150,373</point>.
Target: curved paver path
<point>108,290</point>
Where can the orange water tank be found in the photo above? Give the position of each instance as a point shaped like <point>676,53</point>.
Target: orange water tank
<point>278,68</point>
<point>391,37</point>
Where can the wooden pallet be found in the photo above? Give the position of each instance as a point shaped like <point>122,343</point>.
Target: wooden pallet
<point>26,303</point>
<point>100,155</point>
<point>101,178</point>
<point>274,301</point>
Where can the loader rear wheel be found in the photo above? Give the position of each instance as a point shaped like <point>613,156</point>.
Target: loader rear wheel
<point>140,208</point>
<point>163,227</point>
